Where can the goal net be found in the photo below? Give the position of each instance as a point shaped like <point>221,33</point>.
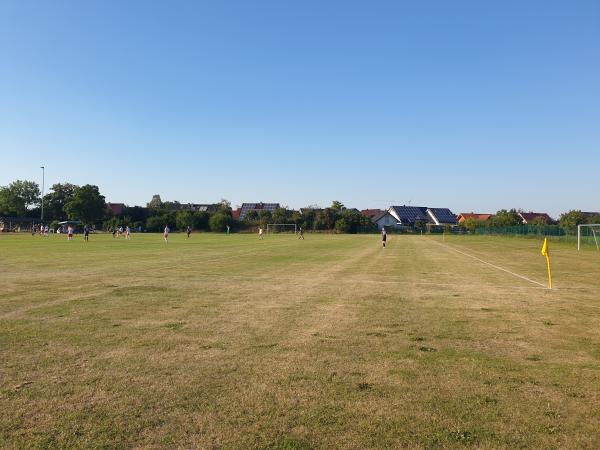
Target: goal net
<point>281,228</point>
<point>588,233</point>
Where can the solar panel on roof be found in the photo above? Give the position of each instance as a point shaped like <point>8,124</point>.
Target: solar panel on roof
<point>443,215</point>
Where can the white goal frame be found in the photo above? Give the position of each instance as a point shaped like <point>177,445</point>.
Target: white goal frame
<point>281,224</point>
<point>591,226</point>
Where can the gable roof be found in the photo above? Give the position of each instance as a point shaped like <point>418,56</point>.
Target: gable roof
<point>371,212</point>
<point>203,207</point>
<point>531,216</point>
<point>464,216</point>
<point>247,207</point>
<point>408,215</point>
<point>442,216</point>
<point>115,209</point>
<point>381,215</point>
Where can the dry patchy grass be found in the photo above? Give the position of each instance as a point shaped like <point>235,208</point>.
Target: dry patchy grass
<point>332,342</point>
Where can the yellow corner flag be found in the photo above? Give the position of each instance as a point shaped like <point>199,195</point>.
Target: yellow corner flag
<point>546,253</point>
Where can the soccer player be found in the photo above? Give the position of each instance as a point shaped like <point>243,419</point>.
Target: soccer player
<point>69,233</point>
<point>86,233</point>
<point>383,236</point>
<point>127,232</point>
<point>301,234</point>
<point>166,234</point>
<point>227,230</point>
<point>260,233</point>
<point>189,231</point>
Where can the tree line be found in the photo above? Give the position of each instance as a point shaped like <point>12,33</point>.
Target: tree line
<point>21,198</point>
<point>67,201</point>
<point>504,218</point>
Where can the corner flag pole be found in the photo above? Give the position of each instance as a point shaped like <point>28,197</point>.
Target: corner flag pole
<point>546,253</point>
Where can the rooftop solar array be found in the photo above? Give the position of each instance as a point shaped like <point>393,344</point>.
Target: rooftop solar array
<point>410,214</point>
<point>247,207</point>
<point>443,215</point>
<point>200,207</point>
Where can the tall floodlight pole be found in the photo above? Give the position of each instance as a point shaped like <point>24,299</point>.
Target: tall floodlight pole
<point>43,180</point>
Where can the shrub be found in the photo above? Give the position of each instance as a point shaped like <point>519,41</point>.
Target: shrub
<point>157,223</point>
<point>219,222</point>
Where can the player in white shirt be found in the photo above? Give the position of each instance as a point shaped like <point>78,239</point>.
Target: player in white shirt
<point>166,234</point>
<point>260,232</point>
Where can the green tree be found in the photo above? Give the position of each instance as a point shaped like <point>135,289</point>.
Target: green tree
<point>337,205</point>
<point>54,201</point>
<point>506,218</point>
<point>251,217</point>
<point>298,219</point>
<point>351,221</point>
<point>224,207</point>
<point>282,215</point>
<point>136,213</point>
<point>171,206</point>
<point>184,219</point>
<point>86,204</point>
<point>594,219</point>
<point>19,197</point>
<point>308,216</point>
<point>326,219</point>
<point>419,226</point>
<point>265,217</point>
<point>201,219</point>
<point>569,220</point>
<point>157,223</point>
<point>342,226</point>
<point>219,221</point>
<point>539,222</point>
<point>472,224</point>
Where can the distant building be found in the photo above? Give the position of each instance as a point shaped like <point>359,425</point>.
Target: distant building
<point>409,215</point>
<point>305,211</point>
<point>371,213</point>
<point>258,207</point>
<point>475,216</point>
<point>442,216</point>
<point>115,209</point>
<point>202,207</point>
<point>529,217</point>
<point>384,219</point>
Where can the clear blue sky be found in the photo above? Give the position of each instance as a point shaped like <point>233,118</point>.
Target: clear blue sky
<point>474,105</point>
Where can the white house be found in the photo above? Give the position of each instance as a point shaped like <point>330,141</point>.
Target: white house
<point>385,219</point>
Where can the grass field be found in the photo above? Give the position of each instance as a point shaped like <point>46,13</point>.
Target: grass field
<point>332,342</point>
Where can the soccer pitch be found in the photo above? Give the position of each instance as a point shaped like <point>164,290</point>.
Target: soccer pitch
<point>333,342</point>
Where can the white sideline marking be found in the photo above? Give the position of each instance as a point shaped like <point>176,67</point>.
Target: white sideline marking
<point>493,265</point>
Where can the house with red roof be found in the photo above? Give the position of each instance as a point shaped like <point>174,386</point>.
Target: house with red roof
<point>475,216</point>
<point>115,209</point>
<point>533,217</point>
<point>370,213</point>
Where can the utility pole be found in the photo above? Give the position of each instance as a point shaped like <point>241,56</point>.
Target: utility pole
<point>43,180</point>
